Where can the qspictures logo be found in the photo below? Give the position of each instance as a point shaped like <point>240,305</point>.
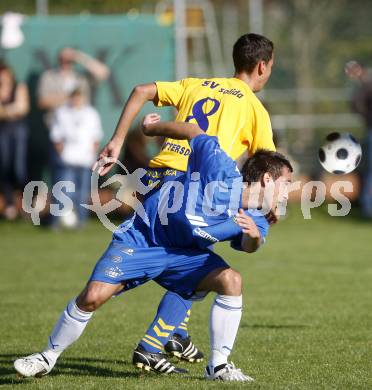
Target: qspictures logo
<point>172,196</point>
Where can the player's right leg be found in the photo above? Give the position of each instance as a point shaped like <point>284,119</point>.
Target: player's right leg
<point>68,328</point>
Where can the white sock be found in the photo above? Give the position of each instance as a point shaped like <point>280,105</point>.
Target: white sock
<point>68,329</point>
<point>226,313</point>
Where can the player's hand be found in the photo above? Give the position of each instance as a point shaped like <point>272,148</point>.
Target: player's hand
<point>247,224</point>
<point>107,157</point>
<point>149,119</point>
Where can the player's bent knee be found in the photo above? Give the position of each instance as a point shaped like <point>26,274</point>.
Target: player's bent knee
<point>231,282</point>
<point>95,295</point>
<point>90,301</point>
<point>224,281</point>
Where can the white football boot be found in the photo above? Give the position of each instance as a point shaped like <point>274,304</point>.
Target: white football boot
<point>33,365</point>
<point>226,372</point>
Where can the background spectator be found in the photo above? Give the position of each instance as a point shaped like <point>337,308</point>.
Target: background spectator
<point>75,133</point>
<point>56,85</point>
<point>14,106</point>
<point>362,104</point>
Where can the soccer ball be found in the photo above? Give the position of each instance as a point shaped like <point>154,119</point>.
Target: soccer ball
<point>340,154</point>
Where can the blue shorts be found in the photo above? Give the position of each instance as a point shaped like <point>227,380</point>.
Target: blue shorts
<point>175,269</point>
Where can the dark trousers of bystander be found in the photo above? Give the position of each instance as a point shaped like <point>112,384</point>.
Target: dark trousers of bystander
<point>366,193</point>
<point>80,177</point>
<point>13,154</point>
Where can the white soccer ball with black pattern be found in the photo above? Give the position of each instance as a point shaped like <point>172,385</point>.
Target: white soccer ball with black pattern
<point>340,154</point>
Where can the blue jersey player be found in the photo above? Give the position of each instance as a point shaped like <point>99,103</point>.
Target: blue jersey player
<point>172,249</point>
<point>166,331</point>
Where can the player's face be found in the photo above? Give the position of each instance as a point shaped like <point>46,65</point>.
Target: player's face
<point>275,194</point>
<point>281,189</point>
<point>269,195</point>
<point>265,69</point>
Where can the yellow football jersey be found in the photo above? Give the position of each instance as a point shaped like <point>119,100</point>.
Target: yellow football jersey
<point>223,107</point>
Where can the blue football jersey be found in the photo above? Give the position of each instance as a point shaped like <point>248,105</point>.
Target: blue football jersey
<point>196,208</point>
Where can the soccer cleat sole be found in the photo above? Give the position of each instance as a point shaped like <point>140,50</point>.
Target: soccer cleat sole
<point>143,367</point>
<point>146,368</point>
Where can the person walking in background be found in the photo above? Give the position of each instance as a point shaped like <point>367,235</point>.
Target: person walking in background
<point>75,133</point>
<point>14,107</point>
<point>362,104</point>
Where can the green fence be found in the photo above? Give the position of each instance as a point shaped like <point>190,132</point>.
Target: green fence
<point>137,50</point>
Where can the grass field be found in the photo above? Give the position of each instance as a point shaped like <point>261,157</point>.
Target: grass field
<point>306,322</point>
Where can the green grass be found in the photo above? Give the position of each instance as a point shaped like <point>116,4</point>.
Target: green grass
<point>306,322</point>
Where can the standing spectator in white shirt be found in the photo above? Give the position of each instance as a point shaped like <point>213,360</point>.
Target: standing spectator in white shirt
<point>75,133</point>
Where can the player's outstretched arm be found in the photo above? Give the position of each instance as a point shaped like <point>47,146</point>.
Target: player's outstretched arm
<point>152,126</point>
<point>139,96</point>
<point>251,239</point>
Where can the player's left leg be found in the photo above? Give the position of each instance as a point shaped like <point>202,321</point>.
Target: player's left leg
<point>183,328</point>
<point>180,344</point>
<point>168,330</point>
<point>170,314</point>
<point>171,311</point>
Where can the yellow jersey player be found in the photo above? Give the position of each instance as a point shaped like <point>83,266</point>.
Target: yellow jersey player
<point>224,107</point>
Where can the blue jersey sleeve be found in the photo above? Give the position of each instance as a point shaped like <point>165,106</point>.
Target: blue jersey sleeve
<point>262,225</point>
<point>228,230</point>
<point>223,231</point>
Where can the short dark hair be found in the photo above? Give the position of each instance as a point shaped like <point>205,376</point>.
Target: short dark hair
<point>264,161</point>
<point>249,50</point>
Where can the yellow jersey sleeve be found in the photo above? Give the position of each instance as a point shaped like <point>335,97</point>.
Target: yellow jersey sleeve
<point>170,93</point>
